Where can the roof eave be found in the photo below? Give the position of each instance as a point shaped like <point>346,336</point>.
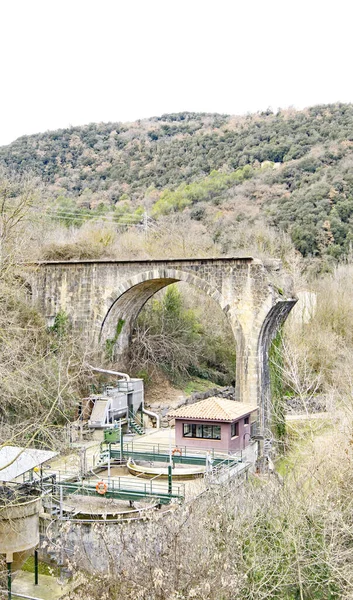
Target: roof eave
<point>223,420</point>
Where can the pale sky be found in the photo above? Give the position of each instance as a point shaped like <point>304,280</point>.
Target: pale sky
<point>74,62</point>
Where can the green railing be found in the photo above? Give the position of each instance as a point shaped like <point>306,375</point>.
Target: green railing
<point>185,450</point>
<point>161,453</point>
<point>126,488</point>
<point>135,423</point>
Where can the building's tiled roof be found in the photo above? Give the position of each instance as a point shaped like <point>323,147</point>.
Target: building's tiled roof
<point>213,409</point>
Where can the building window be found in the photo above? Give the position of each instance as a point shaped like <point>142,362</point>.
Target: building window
<point>187,430</point>
<point>235,429</point>
<point>205,432</point>
<point>247,420</point>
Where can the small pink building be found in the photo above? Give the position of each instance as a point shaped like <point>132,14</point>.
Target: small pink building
<point>216,423</point>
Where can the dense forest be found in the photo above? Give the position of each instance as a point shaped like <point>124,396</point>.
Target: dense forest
<point>291,169</point>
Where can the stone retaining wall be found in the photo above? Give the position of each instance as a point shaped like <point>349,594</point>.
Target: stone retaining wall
<point>226,392</point>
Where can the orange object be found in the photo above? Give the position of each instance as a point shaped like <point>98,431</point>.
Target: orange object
<point>101,487</point>
<point>177,450</point>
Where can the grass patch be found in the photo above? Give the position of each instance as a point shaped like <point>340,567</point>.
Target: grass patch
<point>43,568</point>
<point>110,343</point>
<point>302,429</point>
<point>299,437</point>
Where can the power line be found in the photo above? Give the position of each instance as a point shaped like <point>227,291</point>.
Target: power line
<point>83,215</point>
<point>145,222</point>
<point>80,217</point>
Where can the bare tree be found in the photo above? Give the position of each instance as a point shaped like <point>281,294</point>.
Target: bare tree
<point>18,196</point>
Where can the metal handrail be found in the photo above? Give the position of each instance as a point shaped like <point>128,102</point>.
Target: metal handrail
<point>225,464</point>
<point>18,595</point>
<point>128,484</point>
<point>134,417</point>
<point>133,483</point>
<point>235,469</point>
<point>165,448</point>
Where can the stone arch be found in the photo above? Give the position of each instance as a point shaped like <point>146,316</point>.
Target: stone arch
<point>271,322</point>
<point>131,296</point>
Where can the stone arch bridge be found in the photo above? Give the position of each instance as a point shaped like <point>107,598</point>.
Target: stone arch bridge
<point>103,299</point>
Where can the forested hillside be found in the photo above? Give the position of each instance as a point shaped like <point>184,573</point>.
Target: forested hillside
<point>292,170</point>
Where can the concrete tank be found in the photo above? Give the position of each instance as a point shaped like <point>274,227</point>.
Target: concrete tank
<point>19,530</point>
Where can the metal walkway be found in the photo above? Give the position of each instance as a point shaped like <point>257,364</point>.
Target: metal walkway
<point>161,453</point>
<point>126,488</point>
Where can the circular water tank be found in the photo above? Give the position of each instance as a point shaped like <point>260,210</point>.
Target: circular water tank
<point>19,528</point>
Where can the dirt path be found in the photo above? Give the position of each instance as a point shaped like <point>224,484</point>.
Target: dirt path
<point>162,392</point>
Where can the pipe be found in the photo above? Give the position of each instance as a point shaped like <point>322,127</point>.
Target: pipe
<point>118,373</point>
<point>152,414</point>
<point>9,580</point>
<point>18,595</point>
<point>36,567</point>
<point>170,486</point>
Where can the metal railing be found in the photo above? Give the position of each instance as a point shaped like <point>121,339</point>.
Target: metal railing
<point>224,472</point>
<point>125,487</point>
<point>162,453</point>
<point>163,449</point>
<point>134,421</point>
<point>15,595</point>
<point>223,468</point>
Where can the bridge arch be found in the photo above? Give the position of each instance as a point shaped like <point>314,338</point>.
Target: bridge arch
<point>270,322</point>
<point>130,297</point>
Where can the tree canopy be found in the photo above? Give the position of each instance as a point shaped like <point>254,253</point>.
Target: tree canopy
<point>292,168</point>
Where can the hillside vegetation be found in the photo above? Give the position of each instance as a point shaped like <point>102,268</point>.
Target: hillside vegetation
<point>291,170</point>
<point>265,184</point>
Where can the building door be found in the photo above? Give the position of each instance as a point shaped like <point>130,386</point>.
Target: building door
<point>130,404</point>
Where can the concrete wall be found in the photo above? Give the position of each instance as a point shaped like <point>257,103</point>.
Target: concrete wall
<point>104,298</point>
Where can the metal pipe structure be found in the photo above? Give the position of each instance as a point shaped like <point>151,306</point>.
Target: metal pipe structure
<point>170,479</point>
<point>36,567</point>
<point>121,440</point>
<point>109,451</point>
<point>18,595</point>
<point>9,581</point>
<point>61,502</point>
<point>117,373</point>
<point>149,413</point>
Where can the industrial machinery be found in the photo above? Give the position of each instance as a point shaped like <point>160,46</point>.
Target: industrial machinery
<point>119,404</point>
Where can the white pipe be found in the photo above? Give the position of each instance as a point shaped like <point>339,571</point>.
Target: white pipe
<point>118,373</point>
<point>152,414</point>
<point>22,595</point>
<point>170,446</point>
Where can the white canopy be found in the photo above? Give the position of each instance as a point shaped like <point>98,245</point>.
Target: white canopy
<point>14,461</point>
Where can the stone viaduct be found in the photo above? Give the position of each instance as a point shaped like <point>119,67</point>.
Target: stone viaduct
<point>103,299</point>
